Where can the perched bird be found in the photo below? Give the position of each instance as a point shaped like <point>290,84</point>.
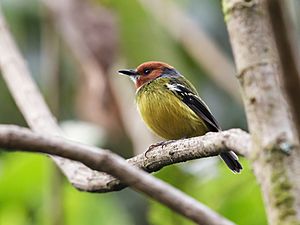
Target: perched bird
<point>171,106</point>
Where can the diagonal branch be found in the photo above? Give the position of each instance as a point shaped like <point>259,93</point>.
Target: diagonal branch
<point>78,22</point>
<point>12,138</point>
<point>31,103</point>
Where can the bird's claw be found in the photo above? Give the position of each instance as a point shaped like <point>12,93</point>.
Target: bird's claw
<point>161,143</point>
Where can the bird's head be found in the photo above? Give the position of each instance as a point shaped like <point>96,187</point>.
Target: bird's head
<point>149,71</point>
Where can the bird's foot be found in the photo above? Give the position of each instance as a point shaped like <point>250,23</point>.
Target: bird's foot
<point>161,143</point>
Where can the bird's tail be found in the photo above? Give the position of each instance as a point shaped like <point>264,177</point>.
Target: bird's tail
<point>232,161</point>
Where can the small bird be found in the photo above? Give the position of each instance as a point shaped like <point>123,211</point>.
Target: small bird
<point>171,107</point>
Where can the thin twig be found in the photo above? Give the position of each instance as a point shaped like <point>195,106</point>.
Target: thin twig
<point>12,137</point>
<point>287,49</point>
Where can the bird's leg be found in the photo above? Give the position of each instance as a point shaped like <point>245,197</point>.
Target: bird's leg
<point>161,143</point>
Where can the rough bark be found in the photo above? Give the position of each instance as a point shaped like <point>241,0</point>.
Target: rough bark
<point>289,56</point>
<point>276,154</point>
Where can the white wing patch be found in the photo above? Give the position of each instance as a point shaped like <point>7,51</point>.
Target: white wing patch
<point>178,89</point>
<point>173,87</point>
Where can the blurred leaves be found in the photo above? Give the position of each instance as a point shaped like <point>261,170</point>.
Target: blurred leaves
<point>9,113</point>
<point>93,209</point>
<point>22,183</point>
<point>23,196</point>
<point>236,196</point>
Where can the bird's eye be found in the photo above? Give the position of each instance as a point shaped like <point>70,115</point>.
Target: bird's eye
<point>147,71</point>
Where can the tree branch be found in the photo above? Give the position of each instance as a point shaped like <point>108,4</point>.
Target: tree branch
<point>13,137</point>
<point>179,151</point>
<point>287,49</point>
<point>183,150</point>
<point>275,155</point>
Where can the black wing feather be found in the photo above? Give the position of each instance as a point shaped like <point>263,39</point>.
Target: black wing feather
<point>193,101</point>
<point>197,105</point>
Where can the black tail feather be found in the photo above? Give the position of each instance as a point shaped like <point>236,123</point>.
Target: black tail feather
<point>231,160</point>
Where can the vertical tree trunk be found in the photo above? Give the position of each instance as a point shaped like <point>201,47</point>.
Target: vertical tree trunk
<point>276,153</point>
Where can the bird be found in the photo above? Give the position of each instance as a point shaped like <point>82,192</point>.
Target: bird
<point>171,107</point>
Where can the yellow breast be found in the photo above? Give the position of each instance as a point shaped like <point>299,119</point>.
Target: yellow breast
<point>167,116</point>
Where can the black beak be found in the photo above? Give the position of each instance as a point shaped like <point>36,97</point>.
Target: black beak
<point>130,72</point>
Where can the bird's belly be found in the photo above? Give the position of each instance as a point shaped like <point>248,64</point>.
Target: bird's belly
<point>169,118</point>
